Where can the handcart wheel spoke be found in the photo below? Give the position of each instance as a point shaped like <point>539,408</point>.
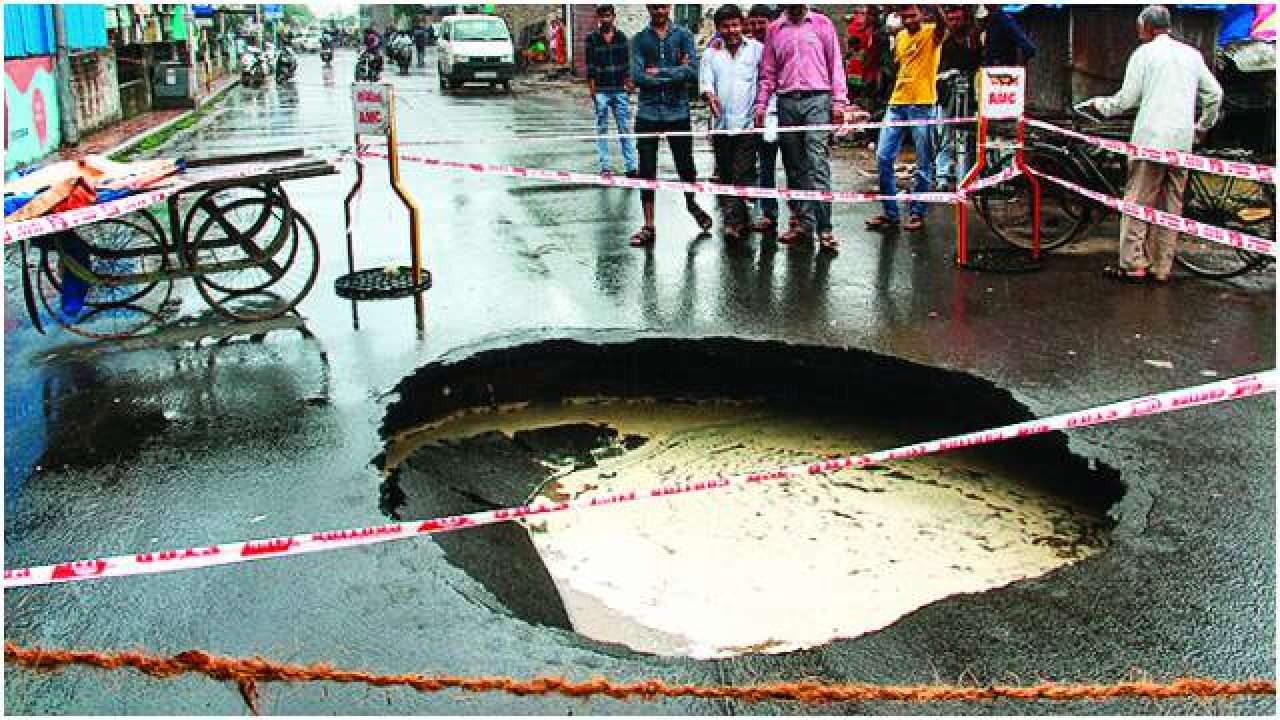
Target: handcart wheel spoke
<point>213,202</point>
<point>264,287</point>
<point>107,312</point>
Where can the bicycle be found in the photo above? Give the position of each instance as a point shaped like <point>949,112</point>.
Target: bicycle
<point>1234,203</point>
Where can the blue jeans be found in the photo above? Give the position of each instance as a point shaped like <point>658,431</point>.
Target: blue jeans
<point>890,144</point>
<point>617,100</point>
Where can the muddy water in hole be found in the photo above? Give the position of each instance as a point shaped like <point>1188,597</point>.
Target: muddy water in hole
<point>782,565</point>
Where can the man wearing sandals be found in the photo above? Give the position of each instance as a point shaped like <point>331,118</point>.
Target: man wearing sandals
<point>728,80</point>
<point>804,67</point>
<point>664,61</point>
<point>1164,79</point>
<point>917,50</point>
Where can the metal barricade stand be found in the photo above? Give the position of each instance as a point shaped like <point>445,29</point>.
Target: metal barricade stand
<point>375,114</point>
<point>1001,96</point>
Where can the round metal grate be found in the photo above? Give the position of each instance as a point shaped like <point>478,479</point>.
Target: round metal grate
<point>1002,260</point>
<point>380,283</point>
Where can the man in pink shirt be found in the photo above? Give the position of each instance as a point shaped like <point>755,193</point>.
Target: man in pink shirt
<point>803,65</point>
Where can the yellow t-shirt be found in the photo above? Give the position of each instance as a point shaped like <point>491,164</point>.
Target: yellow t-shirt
<point>917,56</point>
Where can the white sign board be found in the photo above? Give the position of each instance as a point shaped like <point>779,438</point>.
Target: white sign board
<point>372,103</point>
<point>1003,92</point>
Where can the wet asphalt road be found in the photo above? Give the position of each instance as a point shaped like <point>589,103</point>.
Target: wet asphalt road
<point>170,447</point>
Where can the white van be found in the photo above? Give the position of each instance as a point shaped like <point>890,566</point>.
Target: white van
<point>475,48</point>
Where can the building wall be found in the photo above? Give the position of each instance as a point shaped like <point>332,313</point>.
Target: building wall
<point>1103,37</point>
<point>31,118</point>
<point>95,89</point>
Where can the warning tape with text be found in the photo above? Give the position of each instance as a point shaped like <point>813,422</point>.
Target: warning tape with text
<point>744,191</point>
<point>1177,158</point>
<point>1147,214</point>
<point>239,552</point>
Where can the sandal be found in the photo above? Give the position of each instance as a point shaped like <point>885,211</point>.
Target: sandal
<point>913,223</point>
<point>881,222</point>
<point>796,235</point>
<point>701,217</point>
<point>827,242</point>
<point>765,225</point>
<point>1115,273</point>
<point>644,237</point>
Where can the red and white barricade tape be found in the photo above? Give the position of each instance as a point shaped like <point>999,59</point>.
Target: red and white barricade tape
<point>1146,214</point>
<point>592,135</point>
<point>35,227</point>
<point>171,560</point>
<point>744,191</point>
<point>1177,158</point>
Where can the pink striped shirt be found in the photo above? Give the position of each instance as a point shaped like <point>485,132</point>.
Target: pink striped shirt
<point>802,56</point>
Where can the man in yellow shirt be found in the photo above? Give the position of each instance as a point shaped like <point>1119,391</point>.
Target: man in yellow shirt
<point>917,49</point>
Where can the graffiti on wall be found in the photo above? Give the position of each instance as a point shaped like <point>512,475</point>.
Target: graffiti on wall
<point>31,119</point>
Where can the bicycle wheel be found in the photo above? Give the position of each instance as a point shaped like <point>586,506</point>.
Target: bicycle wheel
<point>1246,206</point>
<point>266,286</point>
<point>1007,208</point>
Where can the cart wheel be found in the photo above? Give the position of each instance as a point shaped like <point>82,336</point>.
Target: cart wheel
<point>267,285</point>
<point>214,203</point>
<point>127,253</point>
<point>242,246</point>
<point>109,312</point>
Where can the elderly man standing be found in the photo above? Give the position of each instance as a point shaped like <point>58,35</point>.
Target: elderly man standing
<point>1164,79</point>
<point>803,65</point>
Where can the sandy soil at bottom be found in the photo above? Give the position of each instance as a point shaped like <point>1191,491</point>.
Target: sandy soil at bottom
<point>783,565</point>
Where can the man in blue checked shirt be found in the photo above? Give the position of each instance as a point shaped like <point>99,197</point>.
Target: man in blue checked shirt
<point>664,62</point>
<point>608,81</point>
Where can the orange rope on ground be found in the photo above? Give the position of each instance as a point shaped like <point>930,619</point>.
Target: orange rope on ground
<point>247,672</point>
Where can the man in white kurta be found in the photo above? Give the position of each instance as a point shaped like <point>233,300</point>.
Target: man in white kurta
<point>1164,80</point>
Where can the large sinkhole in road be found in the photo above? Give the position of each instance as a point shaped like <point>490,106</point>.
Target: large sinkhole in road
<point>775,567</point>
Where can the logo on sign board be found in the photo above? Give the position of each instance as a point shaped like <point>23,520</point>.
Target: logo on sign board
<point>1003,92</point>
<point>372,104</point>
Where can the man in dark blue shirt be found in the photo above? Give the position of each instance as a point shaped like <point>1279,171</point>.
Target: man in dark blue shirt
<point>608,81</point>
<point>664,64</point>
<point>1006,43</point>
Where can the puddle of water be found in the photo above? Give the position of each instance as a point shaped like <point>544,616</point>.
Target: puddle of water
<point>778,566</point>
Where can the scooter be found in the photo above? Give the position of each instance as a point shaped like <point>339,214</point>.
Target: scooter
<point>402,53</point>
<point>286,65</point>
<point>253,71</point>
<point>368,67</point>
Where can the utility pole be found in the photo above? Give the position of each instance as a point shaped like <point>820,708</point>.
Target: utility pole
<point>66,102</point>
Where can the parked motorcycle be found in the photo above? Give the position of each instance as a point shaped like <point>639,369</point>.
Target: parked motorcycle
<point>402,52</point>
<point>368,67</point>
<point>253,68</point>
<point>286,65</point>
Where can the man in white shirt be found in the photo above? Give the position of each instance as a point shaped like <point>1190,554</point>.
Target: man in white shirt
<point>1164,79</point>
<point>729,79</point>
